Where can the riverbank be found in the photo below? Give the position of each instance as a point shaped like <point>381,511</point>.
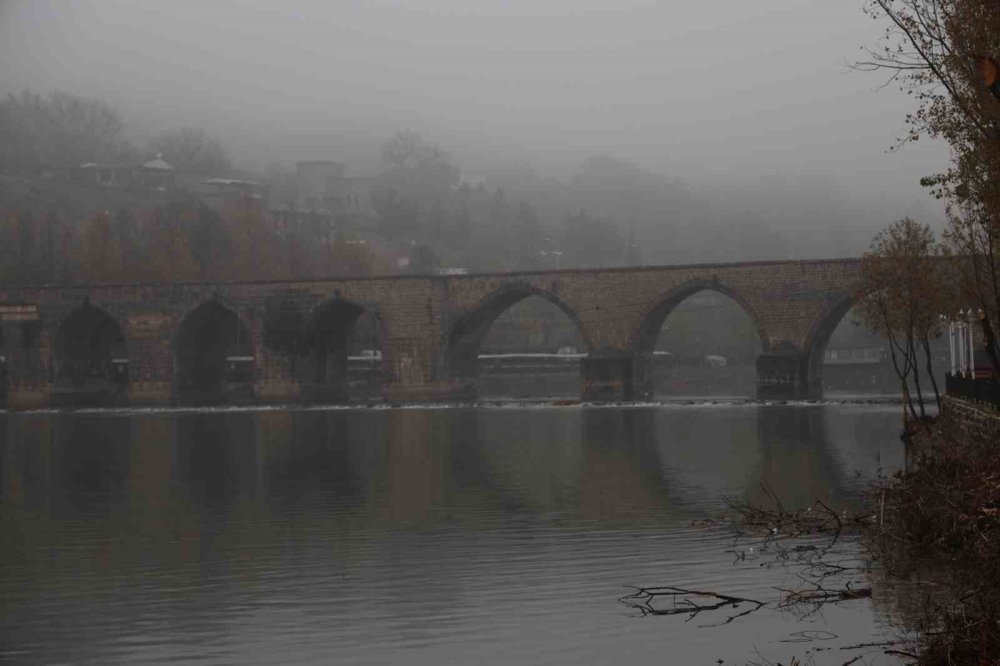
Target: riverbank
<point>939,523</point>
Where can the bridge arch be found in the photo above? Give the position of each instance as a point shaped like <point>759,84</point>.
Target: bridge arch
<point>3,370</point>
<point>466,334</point>
<point>214,358</point>
<point>819,336</point>
<point>706,360</point>
<point>333,331</point>
<point>644,334</point>
<point>89,358</point>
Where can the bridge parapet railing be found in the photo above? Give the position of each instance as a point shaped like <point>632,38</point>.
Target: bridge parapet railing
<point>986,391</point>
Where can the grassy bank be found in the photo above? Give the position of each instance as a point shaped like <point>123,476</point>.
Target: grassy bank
<point>939,522</point>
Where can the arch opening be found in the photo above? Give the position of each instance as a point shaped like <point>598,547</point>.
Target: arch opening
<point>519,344</point>
<point>214,357</point>
<point>700,342</point>
<point>3,369</point>
<point>845,358</point>
<point>344,360</point>
<point>90,359</point>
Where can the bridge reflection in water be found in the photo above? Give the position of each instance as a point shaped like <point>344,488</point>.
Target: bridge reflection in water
<point>196,521</point>
<point>581,462</point>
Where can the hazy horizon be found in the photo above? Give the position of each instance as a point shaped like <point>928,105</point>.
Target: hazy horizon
<point>714,95</point>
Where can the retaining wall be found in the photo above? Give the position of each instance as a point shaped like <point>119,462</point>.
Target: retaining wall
<point>971,419</point>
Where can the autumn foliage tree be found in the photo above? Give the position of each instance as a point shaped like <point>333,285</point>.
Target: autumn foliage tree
<point>35,248</point>
<point>100,256</point>
<point>349,257</point>
<point>17,242</point>
<point>181,241</point>
<point>167,251</point>
<point>256,252</point>
<point>944,53</point>
<point>902,295</point>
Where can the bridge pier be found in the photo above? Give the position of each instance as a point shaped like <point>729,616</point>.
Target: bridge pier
<point>26,371</point>
<point>418,372</point>
<point>446,391</point>
<point>613,377</point>
<point>786,376</point>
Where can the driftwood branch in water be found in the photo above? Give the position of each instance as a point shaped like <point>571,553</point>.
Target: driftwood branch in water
<point>814,519</point>
<point>775,528</point>
<point>684,602</point>
<point>819,595</point>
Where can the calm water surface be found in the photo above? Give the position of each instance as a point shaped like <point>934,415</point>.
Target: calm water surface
<point>413,536</point>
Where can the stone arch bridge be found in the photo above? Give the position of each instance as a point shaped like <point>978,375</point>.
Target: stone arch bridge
<point>287,341</point>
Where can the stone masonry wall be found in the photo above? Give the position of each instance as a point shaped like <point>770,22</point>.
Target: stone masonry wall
<point>793,304</point>
<point>976,421</point>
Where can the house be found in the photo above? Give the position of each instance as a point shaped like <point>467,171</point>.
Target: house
<point>107,175</point>
<point>156,174</point>
<point>322,186</point>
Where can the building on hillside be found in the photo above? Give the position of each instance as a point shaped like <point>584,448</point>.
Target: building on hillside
<point>228,189</point>
<point>107,175</point>
<point>358,197</point>
<point>321,201</point>
<point>319,185</point>
<point>323,187</point>
<point>156,174</point>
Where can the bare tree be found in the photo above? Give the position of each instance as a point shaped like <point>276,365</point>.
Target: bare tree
<point>415,187</point>
<point>192,150</point>
<point>944,53</point>
<point>59,129</point>
<point>902,298</point>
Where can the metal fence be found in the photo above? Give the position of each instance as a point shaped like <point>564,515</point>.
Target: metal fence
<point>981,390</point>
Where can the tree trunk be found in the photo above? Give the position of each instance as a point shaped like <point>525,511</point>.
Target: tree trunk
<point>902,373</point>
<point>907,403</point>
<point>916,376</point>
<point>930,372</point>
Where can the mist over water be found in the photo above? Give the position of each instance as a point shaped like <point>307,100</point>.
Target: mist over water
<point>250,140</point>
<point>465,535</point>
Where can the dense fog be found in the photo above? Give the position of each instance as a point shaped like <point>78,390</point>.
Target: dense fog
<point>484,135</point>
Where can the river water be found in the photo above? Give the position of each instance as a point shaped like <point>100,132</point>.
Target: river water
<point>463,535</point>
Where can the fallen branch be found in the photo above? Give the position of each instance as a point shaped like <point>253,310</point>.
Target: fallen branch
<point>644,598</point>
<point>817,518</point>
<point>794,597</point>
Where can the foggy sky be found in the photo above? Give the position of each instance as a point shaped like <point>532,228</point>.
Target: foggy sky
<point>708,92</point>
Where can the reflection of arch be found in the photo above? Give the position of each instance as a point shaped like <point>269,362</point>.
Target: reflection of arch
<point>214,356</point>
<point>91,461</point>
<point>3,370</point>
<point>798,462</point>
<point>643,338</point>
<point>620,473</point>
<point>330,332</point>
<point>90,358</point>
<point>819,336</point>
<point>326,453</point>
<point>467,333</point>
<point>215,457</point>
